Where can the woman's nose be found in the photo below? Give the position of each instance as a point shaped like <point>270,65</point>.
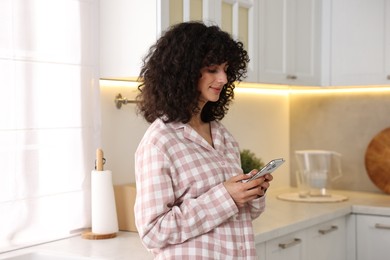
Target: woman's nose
<point>222,77</point>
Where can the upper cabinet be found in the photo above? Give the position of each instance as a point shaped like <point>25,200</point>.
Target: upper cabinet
<point>360,42</point>
<point>237,17</point>
<point>240,19</point>
<point>129,27</point>
<point>290,42</point>
<point>293,42</point>
<point>324,42</point>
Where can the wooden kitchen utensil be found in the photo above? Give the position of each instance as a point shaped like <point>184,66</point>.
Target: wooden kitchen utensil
<point>377,160</point>
<point>99,160</point>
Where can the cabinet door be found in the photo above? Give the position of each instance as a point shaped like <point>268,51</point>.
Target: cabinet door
<point>238,17</point>
<point>327,241</point>
<point>129,28</point>
<point>289,247</point>
<point>177,11</point>
<point>387,47</point>
<point>290,37</point>
<point>373,237</point>
<point>260,250</point>
<point>360,50</point>
<point>123,42</point>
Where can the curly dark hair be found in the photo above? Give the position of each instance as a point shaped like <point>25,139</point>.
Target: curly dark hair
<point>171,71</point>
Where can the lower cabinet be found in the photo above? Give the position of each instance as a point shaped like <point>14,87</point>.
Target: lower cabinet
<point>289,247</point>
<point>323,241</point>
<point>327,241</point>
<point>260,249</point>
<point>372,237</point>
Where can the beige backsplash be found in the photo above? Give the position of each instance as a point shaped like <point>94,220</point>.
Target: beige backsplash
<point>342,122</point>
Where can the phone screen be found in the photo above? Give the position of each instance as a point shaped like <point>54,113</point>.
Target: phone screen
<point>268,168</point>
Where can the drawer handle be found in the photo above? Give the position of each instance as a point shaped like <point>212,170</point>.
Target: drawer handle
<point>290,244</point>
<point>326,231</point>
<point>291,77</point>
<point>382,226</point>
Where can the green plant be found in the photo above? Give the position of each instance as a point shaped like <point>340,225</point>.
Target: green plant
<point>249,161</point>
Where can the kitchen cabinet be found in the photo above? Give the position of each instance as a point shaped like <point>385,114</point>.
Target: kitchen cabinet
<point>360,42</point>
<point>289,247</point>
<point>129,28</point>
<point>236,17</point>
<point>239,18</point>
<point>372,237</point>
<point>330,42</point>
<point>290,41</point>
<point>260,250</point>
<point>327,241</point>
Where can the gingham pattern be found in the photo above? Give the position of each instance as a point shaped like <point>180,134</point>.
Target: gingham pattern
<point>182,209</point>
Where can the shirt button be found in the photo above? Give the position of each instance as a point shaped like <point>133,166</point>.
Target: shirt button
<point>222,163</point>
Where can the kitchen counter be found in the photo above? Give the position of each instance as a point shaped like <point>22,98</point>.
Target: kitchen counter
<point>126,245</point>
<point>283,217</point>
<point>280,218</point>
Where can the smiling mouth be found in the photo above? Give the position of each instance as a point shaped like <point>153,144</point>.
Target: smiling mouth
<point>216,89</point>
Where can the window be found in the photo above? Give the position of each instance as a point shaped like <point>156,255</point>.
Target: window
<point>49,118</point>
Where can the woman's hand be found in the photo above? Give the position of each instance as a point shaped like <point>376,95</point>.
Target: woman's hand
<point>243,192</point>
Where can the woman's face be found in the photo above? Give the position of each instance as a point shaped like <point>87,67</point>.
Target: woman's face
<point>211,82</point>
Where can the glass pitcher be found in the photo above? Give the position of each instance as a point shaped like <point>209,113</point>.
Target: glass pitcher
<point>317,170</point>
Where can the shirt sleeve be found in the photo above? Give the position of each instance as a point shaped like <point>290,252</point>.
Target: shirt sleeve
<point>257,206</point>
<point>160,220</point>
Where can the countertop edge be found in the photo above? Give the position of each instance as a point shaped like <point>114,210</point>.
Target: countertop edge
<point>280,218</point>
<point>303,224</point>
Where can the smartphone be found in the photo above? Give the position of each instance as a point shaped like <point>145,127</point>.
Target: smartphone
<point>268,168</point>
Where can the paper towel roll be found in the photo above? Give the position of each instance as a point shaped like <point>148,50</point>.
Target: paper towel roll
<point>104,218</point>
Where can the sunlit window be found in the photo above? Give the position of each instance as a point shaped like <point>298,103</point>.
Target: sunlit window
<point>50,118</point>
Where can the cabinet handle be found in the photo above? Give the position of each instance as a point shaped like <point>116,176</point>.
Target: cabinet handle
<point>382,226</point>
<point>326,231</point>
<point>388,77</point>
<point>294,242</point>
<point>291,77</point>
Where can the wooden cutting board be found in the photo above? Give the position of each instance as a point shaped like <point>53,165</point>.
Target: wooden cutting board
<point>377,160</point>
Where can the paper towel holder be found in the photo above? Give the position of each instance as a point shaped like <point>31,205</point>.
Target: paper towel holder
<point>119,101</point>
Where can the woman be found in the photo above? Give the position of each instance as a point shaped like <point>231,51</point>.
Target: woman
<point>191,202</point>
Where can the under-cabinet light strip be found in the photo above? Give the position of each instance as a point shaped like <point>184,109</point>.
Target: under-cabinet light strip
<point>254,88</point>
<point>341,90</point>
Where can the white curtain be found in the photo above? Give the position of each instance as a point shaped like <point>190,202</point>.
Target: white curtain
<point>49,118</point>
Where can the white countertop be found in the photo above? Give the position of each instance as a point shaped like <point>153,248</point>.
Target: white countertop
<point>126,245</point>
<point>280,218</point>
<point>283,217</point>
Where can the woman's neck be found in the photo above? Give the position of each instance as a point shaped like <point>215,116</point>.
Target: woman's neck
<point>202,128</point>
<point>196,121</point>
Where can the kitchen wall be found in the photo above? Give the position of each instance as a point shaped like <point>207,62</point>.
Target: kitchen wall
<point>258,120</point>
<point>342,122</point>
<point>271,124</point>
